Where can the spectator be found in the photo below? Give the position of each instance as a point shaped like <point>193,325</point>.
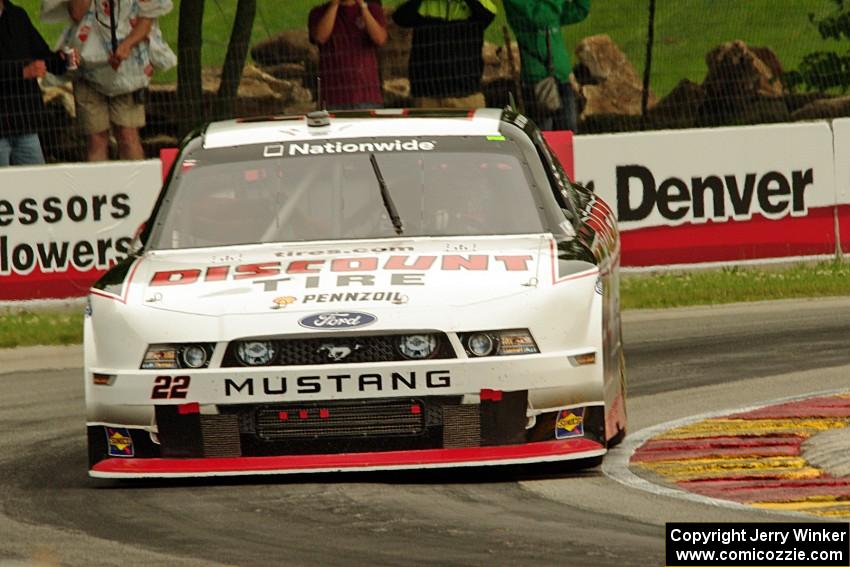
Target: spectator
<point>445,63</point>
<point>530,22</point>
<point>24,58</point>
<point>349,33</point>
<point>112,81</point>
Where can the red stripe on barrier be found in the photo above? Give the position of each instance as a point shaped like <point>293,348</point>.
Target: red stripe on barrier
<point>38,285</point>
<point>844,227</point>
<point>350,461</point>
<point>757,238</point>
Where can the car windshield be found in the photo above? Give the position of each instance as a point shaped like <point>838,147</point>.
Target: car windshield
<point>329,190</point>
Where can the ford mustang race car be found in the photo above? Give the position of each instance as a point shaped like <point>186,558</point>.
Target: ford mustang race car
<point>359,291</point>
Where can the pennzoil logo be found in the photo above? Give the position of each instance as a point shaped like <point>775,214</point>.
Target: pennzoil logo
<point>119,442</point>
<point>282,302</point>
<point>570,423</point>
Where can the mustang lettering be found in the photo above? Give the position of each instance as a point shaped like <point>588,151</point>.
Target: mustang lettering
<point>338,383</point>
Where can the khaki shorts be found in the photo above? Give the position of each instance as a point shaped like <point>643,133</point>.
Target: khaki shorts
<point>96,111</point>
<point>472,101</point>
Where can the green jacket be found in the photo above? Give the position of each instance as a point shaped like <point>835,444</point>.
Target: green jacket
<point>530,19</point>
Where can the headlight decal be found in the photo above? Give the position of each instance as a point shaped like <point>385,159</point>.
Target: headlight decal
<point>175,356</point>
<point>479,344</point>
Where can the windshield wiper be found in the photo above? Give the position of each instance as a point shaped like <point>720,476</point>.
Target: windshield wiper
<point>385,195</point>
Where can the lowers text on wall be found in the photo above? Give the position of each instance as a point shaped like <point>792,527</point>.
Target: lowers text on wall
<point>61,226</point>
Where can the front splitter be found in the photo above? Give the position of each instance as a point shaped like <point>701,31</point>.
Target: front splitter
<point>547,451</point>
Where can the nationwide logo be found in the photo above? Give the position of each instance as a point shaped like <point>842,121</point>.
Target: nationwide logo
<point>335,320</point>
<point>570,423</point>
<point>340,147</point>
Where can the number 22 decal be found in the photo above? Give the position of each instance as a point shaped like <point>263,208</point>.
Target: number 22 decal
<point>170,388</point>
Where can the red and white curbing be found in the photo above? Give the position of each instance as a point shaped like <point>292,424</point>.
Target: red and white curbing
<point>752,458</point>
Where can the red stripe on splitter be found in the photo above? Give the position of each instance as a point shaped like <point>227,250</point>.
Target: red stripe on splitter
<point>343,461</point>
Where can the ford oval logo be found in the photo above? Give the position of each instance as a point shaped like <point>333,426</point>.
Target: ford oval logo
<point>333,320</point>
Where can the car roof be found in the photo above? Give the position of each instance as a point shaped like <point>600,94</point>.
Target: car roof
<point>354,124</point>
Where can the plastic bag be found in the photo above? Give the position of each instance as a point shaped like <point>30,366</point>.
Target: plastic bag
<point>546,95</point>
<point>161,55</point>
<point>54,12</point>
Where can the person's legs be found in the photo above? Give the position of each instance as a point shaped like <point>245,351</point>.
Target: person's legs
<point>129,143</point>
<point>26,150</point>
<point>98,146</point>
<point>93,118</point>
<point>5,152</point>
<point>127,115</point>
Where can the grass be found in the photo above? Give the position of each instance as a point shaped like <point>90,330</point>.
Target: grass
<point>684,30</point>
<point>637,291</point>
<point>735,284</point>
<point>41,327</point>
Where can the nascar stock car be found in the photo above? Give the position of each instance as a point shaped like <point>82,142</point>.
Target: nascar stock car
<point>359,291</point>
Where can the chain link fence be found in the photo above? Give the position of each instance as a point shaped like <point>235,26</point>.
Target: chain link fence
<point>636,65</point>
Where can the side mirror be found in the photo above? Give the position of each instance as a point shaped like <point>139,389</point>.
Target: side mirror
<point>136,244</point>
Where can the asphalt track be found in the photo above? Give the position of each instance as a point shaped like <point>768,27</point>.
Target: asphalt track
<point>680,363</point>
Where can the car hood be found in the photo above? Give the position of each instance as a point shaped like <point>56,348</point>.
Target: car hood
<point>351,275</point>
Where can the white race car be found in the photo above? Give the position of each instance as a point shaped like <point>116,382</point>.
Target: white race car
<point>359,291</point>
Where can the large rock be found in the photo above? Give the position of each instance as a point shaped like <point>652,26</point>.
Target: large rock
<point>737,71</point>
<point>497,63</point>
<point>680,108</point>
<point>609,83</point>
<point>396,93</point>
<point>158,142</point>
<point>394,54</point>
<point>259,94</point>
<point>287,71</point>
<point>837,107</point>
<point>500,77</point>
<point>743,86</point>
<point>290,46</point>
<point>60,139</point>
<point>61,95</point>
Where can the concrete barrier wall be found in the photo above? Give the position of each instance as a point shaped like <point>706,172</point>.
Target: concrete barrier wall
<point>719,195</point>
<point>62,226</point>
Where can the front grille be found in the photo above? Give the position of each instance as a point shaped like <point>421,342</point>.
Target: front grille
<point>461,426</point>
<point>341,420</point>
<point>338,350</point>
<point>220,435</point>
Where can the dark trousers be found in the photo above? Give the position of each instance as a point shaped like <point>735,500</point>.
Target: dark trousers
<point>564,119</point>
